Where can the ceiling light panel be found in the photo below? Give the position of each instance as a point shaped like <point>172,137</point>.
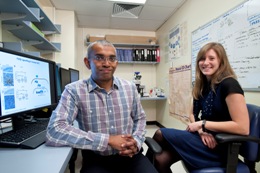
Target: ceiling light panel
<point>130,1</point>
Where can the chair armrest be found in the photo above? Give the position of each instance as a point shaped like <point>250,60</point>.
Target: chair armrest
<point>153,145</point>
<point>225,137</point>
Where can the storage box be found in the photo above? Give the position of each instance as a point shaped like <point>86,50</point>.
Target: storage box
<point>95,38</point>
<point>130,39</point>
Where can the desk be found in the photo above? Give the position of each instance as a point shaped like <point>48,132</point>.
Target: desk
<point>43,159</point>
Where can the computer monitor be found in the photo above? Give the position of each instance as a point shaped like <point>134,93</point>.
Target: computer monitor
<point>58,81</point>
<point>27,84</point>
<point>74,75</point>
<point>64,77</point>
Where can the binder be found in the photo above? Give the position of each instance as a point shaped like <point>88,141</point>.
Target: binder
<point>149,58</point>
<point>142,54</point>
<point>158,58</point>
<point>137,55</point>
<point>145,55</point>
<point>130,54</point>
<point>153,55</point>
<point>118,55</point>
<point>133,55</point>
<point>125,54</point>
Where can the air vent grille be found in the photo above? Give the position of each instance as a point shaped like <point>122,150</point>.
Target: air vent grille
<point>126,10</point>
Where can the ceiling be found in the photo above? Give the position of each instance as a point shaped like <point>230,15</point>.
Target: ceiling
<point>98,13</point>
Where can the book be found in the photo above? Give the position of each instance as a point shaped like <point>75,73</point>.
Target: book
<point>36,29</point>
<point>158,59</point>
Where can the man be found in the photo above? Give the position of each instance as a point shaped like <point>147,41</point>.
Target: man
<point>110,117</point>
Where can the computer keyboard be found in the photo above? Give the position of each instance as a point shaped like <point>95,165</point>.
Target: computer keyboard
<point>31,136</point>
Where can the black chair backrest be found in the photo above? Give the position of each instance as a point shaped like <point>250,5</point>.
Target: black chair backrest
<point>250,150</point>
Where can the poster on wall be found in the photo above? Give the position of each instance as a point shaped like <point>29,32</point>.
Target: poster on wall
<point>180,92</point>
<point>178,41</point>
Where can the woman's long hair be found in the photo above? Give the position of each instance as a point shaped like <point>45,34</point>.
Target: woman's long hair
<point>224,70</point>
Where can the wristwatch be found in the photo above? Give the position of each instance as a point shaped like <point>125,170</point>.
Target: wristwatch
<point>203,126</point>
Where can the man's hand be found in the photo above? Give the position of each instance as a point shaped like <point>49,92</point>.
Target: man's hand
<point>130,147</point>
<point>125,144</point>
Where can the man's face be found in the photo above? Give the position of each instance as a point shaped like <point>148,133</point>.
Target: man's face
<point>100,63</point>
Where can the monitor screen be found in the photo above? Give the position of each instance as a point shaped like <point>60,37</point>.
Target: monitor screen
<point>27,83</point>
<point>64,77</point>
<point>74,75</point>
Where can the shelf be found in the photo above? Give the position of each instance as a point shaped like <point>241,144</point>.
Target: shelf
<point>135,45</point>
<point>138,62</point>
<point>18,47</point>
<point>45,25</point>
<point>16,9</point>
<point>26,33</point>
<point>131,45</point>
<point>153,98</point>
<point>26,20</point>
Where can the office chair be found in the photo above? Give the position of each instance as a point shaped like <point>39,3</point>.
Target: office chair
<point>73,160</point>
<point>246,146</point>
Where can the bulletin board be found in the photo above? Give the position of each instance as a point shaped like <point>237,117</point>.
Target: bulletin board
<point>238,30</point>
<point>180,92</point>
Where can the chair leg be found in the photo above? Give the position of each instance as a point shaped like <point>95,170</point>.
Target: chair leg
<point>233,150</point>
<point>72,160</point>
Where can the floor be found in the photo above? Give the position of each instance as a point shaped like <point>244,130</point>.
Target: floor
<point>177,167</point>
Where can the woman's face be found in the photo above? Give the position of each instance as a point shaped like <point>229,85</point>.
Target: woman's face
<point>209,64</point>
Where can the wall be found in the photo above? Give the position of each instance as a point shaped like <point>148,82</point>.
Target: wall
<point>67,38</point>
<point>195,13</point>
<point>125,71</point>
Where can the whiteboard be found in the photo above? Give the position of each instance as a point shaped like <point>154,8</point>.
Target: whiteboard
<point>238,30</point>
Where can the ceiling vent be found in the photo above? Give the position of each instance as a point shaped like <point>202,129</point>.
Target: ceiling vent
<point>126,10</point>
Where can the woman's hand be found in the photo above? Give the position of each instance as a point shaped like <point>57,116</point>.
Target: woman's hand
<point>208,140</point>
<point>195,126</point>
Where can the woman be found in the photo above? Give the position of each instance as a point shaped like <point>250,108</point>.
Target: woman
<point>218,106</point>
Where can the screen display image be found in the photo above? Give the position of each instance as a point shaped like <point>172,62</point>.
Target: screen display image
<point>25,83</point>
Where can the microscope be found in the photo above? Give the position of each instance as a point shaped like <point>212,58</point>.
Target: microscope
<point>137,81</point>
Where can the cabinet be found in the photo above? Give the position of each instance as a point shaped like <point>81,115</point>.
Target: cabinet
<point>27,21</point>
<point>127,53</point>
